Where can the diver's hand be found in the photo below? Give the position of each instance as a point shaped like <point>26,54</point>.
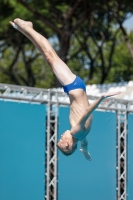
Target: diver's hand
<point>84,150</point>
<point>110,94</point>
<point>86,154</point>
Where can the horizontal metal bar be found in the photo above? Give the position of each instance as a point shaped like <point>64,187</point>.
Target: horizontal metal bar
<point>21,88</point>
<point>53,92</point>
<point>22,99</point>
<point>59,103</point>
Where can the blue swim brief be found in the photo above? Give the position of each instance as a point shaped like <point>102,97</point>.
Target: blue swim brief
<point>78,83</point>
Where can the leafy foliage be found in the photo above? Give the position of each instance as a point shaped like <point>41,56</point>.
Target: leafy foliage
<point>87,35</point>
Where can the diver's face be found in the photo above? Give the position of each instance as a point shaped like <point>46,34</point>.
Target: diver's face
<point>66,141</point>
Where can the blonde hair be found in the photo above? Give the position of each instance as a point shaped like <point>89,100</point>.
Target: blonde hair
<point>68,153</point>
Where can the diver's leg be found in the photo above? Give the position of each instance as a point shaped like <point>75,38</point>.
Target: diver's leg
<point>61,70</point>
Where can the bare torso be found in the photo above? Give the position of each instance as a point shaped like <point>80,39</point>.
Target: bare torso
<point>78,105</point>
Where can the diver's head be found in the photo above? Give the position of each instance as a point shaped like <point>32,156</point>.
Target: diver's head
<point>67,144</point>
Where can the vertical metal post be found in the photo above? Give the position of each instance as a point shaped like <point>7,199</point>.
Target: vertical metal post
<point>121,154</point>
<point>55,147</point>
<point>51,171</point>
<point>48,145</point>
<point>118,155</point>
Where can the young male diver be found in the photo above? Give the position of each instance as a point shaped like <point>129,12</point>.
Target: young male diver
<point>80,110</point>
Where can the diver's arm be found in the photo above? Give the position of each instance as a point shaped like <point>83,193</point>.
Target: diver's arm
<point>93,106</point>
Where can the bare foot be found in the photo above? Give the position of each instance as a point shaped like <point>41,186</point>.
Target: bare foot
<point>21,25</point>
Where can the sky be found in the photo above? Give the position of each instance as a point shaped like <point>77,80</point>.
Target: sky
<point>129,24</point>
